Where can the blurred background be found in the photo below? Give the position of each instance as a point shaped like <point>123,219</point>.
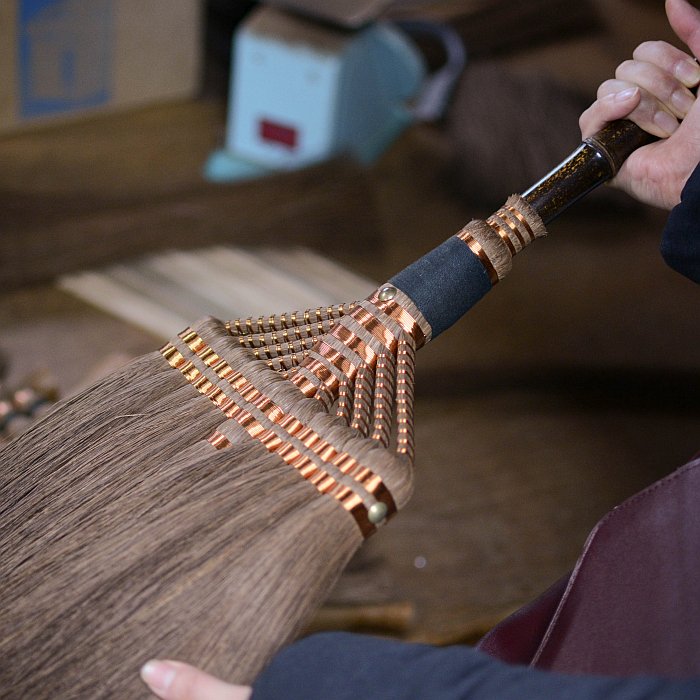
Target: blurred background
<point>164,160</point>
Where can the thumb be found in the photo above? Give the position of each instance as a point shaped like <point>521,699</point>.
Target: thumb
<point>689,131</point>
<point>685,21</point>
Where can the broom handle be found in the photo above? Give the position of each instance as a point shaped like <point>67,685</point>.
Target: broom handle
<point>434,292</point>
<point>446,282</point>
<point>595,161</point>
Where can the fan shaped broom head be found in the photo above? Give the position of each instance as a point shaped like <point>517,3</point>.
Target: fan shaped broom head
<point>201,502</point>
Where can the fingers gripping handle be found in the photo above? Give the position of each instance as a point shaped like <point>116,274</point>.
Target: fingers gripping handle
<point>594,162</point>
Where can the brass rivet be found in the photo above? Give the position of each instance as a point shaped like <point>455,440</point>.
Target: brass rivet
<point>377,512</point>
<point>387,293</point>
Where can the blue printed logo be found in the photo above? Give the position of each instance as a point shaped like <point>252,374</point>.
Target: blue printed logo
<point>64,55</point>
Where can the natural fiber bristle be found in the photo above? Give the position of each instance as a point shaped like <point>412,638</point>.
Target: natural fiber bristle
<point>118,417</point>
<point>130,536</point>
<point>198,579</point>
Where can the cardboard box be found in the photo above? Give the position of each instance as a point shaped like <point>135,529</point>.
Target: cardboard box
<point>67,58</point>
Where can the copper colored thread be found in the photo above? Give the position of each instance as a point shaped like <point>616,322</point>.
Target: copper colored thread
<point>344,402</point>
<point>523,221</point>
<point>324,483</point>
<point>320,373</point>
<point>502,217</point>
<point>353,342</point>
<point>496,224</point>
<point>394,310</point>
<point>480,253</point>
<point>405,368</point>
<point>323,354</point>
<point>362,400</point>
<point>374,326</point>
<point>383,399</point>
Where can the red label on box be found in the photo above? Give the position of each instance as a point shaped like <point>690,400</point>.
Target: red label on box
<point>278,133</point>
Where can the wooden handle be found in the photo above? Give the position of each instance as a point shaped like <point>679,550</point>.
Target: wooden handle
<point>595,161</point>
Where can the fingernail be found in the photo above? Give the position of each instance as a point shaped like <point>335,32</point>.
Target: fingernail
<point>688,72</point>
<point>665,121</point>
<point>625,94</point>
<point>158,675</point>
<point>682,100</point>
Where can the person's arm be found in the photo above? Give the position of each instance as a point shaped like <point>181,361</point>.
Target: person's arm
<point>680,245</point>
<point>342,666</point>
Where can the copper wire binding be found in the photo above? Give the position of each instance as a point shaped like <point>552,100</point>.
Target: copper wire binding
<point>357,360</point>
<point>375,397</point>
<point>283,340</point>
<point>328,467</point>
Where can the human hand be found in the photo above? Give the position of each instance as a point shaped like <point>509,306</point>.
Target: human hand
<point>653,89</point>
<point>174,680</point>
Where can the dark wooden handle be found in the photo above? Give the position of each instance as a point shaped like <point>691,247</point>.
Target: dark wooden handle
<point>594,162</point>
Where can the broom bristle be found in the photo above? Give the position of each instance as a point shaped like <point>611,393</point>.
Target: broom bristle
<point>158,550</point>
<point>199,578</point>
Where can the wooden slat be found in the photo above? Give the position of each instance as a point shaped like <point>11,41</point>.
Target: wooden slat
<point>164,293</point>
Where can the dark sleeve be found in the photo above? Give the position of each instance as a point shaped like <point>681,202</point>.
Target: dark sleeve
<point>342,666</point>
<point>680,245</point>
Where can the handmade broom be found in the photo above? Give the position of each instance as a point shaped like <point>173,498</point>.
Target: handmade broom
<point>200,503</point>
